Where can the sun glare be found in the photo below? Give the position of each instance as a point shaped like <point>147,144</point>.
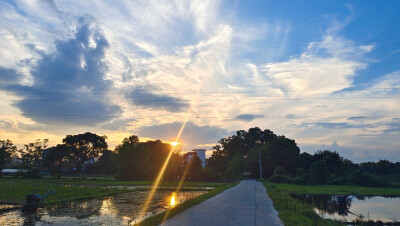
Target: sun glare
<point>173,201</point>
<point>174,143</point>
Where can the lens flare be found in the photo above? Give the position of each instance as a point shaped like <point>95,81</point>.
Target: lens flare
<point>178,188</point>
<point>159,176</point>
<point>173,199</point>
<point>174,143</point>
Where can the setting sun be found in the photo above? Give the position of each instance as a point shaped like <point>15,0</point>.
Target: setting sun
<point>174,143</point>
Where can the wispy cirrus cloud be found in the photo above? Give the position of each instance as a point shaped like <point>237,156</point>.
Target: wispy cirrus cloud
<point>157,63</point>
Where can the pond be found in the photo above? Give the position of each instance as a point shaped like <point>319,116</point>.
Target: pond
<point>349,208</point>
<point>119,209</point>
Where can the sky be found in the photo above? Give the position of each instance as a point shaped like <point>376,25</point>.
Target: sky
<point>324,73</point>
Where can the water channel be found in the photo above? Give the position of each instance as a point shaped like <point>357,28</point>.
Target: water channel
<point>122,209</point>
<point>375,208</point>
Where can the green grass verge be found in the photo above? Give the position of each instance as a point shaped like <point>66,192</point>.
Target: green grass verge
<point>142,183</point>
<point>292,211</point>
<point>335,189</point>
<point>158,219</point>
<point>15,190</point>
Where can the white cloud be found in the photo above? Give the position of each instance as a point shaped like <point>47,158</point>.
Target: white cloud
<point>195,51</point>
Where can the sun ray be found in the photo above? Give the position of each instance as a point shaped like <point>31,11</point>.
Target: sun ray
<point>159,176</point>
<point>177,189</point>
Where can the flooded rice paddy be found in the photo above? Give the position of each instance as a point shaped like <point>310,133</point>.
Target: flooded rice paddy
<point>122,209</point>
<point>350,208</point>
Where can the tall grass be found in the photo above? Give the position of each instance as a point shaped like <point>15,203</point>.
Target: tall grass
<point>292,211</point>
<point>335,189</point>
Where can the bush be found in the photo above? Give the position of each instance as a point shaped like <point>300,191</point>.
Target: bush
<point>368,180</point>
<point>282,179</point>
<point>300,171</point>
<point>304,179</point>
<point>345,180</point>
<point>280,171</point>
<point>212,175</point>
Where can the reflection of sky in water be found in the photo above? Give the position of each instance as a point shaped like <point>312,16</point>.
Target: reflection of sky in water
<point>373,208</point>
<point>113,210</point>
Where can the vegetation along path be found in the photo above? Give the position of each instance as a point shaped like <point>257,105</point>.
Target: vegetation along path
<point>245,204</point>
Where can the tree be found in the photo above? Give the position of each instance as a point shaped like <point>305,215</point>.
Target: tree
<point>333,161</point>
<point>6,150</point>
<point>243,143</point>
<point>235,167</point>
<point>305,160</point>
<point>318,172</point>
<point>133,139</point>
<point>105,164</point>
<point>195,171</point>
<point>85,147</point>
<point>144,160</point>
<point>32,154</point>
<point>56,158</point>
<point>280,171</point>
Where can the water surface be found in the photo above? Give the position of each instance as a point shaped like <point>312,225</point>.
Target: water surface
<point>376,208</point>
<point>122,209</point>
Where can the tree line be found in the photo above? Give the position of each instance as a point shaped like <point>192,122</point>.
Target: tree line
<point>238,155</point>
<point>88,153</point>
<point>234,157</point>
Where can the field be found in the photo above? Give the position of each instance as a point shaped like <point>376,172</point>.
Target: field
<point>295,212</point>
<point>14,190</point>
<point>336,189</point>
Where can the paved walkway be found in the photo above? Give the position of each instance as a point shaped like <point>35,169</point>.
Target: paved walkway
<point>245,204</point>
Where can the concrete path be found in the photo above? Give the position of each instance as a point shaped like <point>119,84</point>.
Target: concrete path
<point>245,204</point>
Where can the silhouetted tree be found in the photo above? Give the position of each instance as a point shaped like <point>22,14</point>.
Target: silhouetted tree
<point>105,164</point>
<point>143,160</point>
<point>56,158</point>
<point>235,167</point>
<point>195,171</point>
<point>7,149</point>
<point>32,154</point>
<point>85,147</point>
<point>305,160</point>
<point>133,139</point>
<point>334,162</point>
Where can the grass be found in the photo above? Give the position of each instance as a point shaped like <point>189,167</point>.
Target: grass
<point>15,190</point>
<point>158,219</point>
<point>294,212</point>
<point>336,189</point>
<point>141,183</point>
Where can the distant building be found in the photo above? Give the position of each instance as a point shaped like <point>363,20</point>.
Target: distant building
<point>201,153</point>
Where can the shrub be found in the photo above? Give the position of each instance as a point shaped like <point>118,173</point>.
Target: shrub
<point>282,179</point>
<point>212,175</point>
<point>345,180</point>
<point>318,172</point>
<point>300,171</point>
<point>280,171</point>
<point>369,180</point>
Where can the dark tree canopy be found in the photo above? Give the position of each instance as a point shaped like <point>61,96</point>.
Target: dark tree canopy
<point>6,150</point>
<point>275,151</point>
<point>85,147</point>
<point>56,158</point>
<point>143,160</point>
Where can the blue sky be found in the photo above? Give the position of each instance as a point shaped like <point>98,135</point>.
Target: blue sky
<point>325,73</point>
